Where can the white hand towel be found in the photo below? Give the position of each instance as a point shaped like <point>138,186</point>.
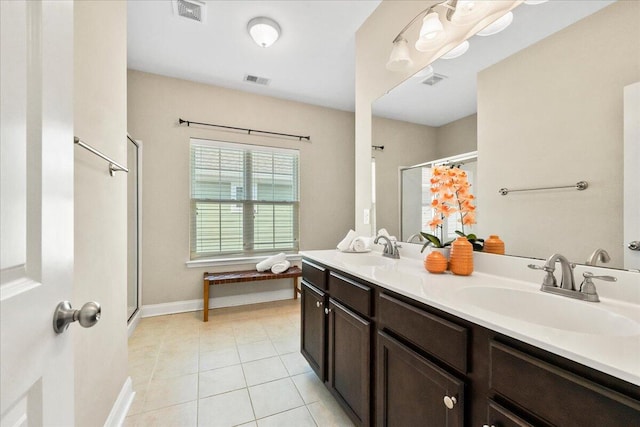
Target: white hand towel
<point>280,267</point>
<point>269,262</point>
<point>346,242</point>
<point>360,244</point>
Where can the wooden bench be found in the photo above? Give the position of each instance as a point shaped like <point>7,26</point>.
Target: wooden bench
<point>245,276</point>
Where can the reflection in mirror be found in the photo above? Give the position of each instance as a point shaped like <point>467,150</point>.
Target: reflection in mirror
<point>542,102</point>
<point>416,197</point>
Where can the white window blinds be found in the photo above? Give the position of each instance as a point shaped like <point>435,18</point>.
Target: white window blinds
<point>244,199</point>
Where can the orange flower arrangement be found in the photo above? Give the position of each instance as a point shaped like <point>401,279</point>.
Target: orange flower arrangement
<point>452,195</point>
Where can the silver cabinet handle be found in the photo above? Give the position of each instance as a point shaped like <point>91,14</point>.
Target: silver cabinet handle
<point>634,246</point>
<point>450,401</point>
<point>87,316</point>
<point>327,310</point>
<point>318,304</point>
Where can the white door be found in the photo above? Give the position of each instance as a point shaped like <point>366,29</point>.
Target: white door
<point>36,227</point>
<point>632,176</point>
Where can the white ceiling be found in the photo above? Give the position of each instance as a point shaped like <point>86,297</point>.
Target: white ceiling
<point>312,62</point>
<point>455,97</point>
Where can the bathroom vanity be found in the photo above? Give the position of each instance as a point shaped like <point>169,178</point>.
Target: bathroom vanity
<point>398,346</point>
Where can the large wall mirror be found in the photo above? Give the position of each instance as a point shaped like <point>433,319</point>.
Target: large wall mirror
<point>542,103</point>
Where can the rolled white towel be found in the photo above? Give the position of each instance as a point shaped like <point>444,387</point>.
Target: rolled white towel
<point>269,262</point>
<point>346,242</point>
<point>280,267</point>
<point>360,244</point>
<point>385,233</point>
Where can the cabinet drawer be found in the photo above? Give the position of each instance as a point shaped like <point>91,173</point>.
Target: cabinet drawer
<point>557,396</point>
<point>355,295</point>
<point>499,416</point>
<point>441,338</point>
<point>314,274</point>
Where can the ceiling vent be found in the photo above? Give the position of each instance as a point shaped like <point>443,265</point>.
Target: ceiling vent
<point>191,9</point>
<point>433,79</point>
<point>257,80</point>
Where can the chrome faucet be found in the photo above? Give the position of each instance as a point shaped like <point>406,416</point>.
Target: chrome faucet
<point>587,290</point>
<point>414,236</point>
<point>390,248</point>
<point>567,281</point>
<point>598,255</point>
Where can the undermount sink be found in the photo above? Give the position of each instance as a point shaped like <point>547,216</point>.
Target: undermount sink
<point>549,310</point>
<point>364,259</point>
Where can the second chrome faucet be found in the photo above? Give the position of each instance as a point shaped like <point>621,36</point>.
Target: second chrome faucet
<point>587,290</point>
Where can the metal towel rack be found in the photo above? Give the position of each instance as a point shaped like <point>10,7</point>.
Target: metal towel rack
<point>580,185</point>
<point>113,165</point>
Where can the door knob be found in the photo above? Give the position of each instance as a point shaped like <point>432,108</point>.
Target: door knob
<point>87,316</point>
<point>635,245</point>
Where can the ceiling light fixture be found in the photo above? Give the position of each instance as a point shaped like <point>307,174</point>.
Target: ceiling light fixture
<point>264,31</point>
<point>498,25</point>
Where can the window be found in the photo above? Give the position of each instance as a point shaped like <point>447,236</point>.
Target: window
<point>244,199</point>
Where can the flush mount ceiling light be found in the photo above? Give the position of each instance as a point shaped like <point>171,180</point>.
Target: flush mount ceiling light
<point>498,25</point>
<point>264,31</point>
<point>457,51</point>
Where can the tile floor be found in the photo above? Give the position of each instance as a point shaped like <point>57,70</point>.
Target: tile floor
<point>242,368</point>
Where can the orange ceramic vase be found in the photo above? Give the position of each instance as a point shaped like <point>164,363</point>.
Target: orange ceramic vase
<point>435,262</point>
<point>461,262</point>
<point>494,245</point>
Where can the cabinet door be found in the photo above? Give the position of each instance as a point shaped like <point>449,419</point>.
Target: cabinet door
<point>313,328</point>
<point>411,391</point>
<point>349,361</point>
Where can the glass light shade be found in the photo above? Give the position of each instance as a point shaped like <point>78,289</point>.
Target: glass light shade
<point>467,10</point>
<point>431,32</point>
<point>457,51</point>
<point>400,58</point>
<point>498,25</point>
<point>431,26</point>
<point>263,31</point>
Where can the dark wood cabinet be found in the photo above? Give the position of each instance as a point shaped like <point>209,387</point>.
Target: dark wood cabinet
<point>411,390</point>
<point>349,360</point>
<point>391,361</point>
<point>313,328</point>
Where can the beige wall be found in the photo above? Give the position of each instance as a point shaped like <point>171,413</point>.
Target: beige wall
<point>100,114</point>
<point>457,137</point>
<point>326,171</point>
<point>405,144</point>
<point>552,115</point>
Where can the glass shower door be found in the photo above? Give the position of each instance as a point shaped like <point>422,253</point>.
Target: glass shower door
<point>133,232</point>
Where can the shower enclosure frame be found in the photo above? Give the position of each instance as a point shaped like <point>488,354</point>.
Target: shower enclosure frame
<point>134,318</point>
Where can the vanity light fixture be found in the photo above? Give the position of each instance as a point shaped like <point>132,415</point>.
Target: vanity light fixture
<point>264,31</point>
<point>432,31</point>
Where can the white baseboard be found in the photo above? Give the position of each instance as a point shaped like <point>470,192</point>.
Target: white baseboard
<point>133,323</point>
<point>226,299</point>
<point>121,406</point>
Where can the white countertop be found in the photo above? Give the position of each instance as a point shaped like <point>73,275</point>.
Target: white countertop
<point>618,356</point>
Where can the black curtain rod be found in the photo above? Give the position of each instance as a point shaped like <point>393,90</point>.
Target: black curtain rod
<point>249,131</point>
